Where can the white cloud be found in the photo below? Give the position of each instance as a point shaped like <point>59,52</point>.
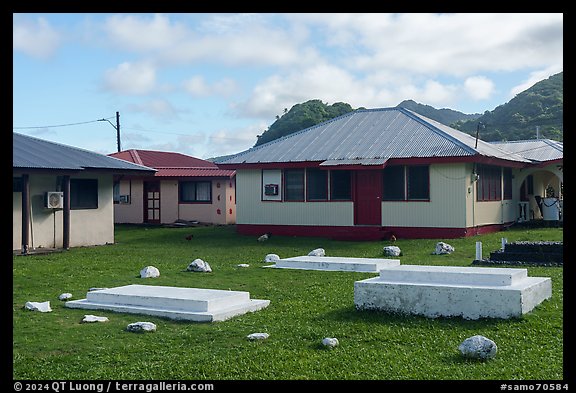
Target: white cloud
<point>230,141</point>
<point>35,38</point>
<point>144,33</point>
<point>479,87</point>
<point>131,78</point>
<point>197,86</point>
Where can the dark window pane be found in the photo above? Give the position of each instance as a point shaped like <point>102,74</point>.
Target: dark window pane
<point>341,186</point>
<point>294,185</point>
<point>393,183</point>
<point>195,191</point>
<point>83,194</point>
<point>317,185</point>
<point>418,182</point>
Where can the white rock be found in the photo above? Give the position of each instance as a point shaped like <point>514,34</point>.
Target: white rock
<point>198,265</point>
<point>318,252</point>
<point>330,342</point>
<point>271,258</point>
<point>94,318</point>
<point>443,248</point>
<point>141,327</point>
<point>392,251</point>
<point>264,237</point>
<point>478,347</point>
<point>149,272</point>
<point>39,306</point>
<point>243,265</point>
<point>257,336</point>
<point>65,296</point>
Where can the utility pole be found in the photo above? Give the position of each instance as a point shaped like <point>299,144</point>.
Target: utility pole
<point>478,133</point>
<point>117,127</point>
<point>118,130</point>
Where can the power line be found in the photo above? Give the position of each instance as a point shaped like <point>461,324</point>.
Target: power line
<point>58,125</point>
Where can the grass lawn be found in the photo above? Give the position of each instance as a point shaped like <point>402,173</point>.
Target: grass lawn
<point>305,307</point>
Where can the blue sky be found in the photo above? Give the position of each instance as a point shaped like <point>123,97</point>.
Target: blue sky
<point>207,84</point>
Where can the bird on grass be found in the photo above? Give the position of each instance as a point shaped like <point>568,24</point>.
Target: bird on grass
<point>392,238</point>
<point>189,237</point>
<point>264,237</point>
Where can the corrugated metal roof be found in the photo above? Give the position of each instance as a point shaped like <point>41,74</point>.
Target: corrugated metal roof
<point>195,172</point>
<point>371,134</point>
<point>35,153</point>
<point>535,149</point>
<point>162,159</point>
<point>170,164</point>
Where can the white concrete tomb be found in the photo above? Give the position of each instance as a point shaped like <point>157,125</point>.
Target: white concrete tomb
<point>468,292</point>
<point>192,304</point>
<point>309,262</point>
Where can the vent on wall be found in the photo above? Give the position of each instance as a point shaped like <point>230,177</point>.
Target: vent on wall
<point>54,200</point>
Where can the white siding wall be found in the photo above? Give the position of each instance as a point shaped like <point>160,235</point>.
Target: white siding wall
<point>252,210</point>
<point>447,206</point>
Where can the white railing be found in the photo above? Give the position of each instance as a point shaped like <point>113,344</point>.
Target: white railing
<point>524,211</point>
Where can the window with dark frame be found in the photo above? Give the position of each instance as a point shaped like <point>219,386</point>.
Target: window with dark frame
<point>294,185</point>
<point>195,191</point>
<point>406,183</point>
<point>489,184</point>
<point>316,184</point>
<point>83,194</point>
<point>418,183</point>
<point>340,185</point>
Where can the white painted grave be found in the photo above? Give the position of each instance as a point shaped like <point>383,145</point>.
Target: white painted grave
<point>192,304</point>
<point>310,262</point>
<point>468,292</point>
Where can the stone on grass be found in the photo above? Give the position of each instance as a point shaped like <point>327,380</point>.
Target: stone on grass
<point>149,272</point>
<point>478,347</point>
<point>271,258</point>
<point>257,336</point>
<point>141,327</point>
<point>65,296</point>
<point>318,252</point>
<point>198,265</point>
<point>330,342</point>
<point>392,251</point>
<point>94,318</point>
<point>243,265</point>
<point>39,306</point>
<point>443,248</point>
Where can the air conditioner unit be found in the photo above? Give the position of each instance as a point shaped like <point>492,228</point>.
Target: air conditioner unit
<point>124,199</point>
<point>54,200</point>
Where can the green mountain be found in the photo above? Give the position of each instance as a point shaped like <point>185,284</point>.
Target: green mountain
<point>444,116</point>
<point>302,116</point>
<point>538,110</point>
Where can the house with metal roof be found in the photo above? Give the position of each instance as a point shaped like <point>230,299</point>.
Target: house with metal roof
<point>373,173</point>
<point>184,188</point>
<point>57,190</point>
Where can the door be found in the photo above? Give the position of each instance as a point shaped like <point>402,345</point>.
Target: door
<point>368,198</point>
<point>152,202</point>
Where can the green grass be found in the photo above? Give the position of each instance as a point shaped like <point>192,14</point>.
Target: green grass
<point>305,307</point>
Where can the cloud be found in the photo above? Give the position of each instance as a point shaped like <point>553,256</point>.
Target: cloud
<point>35,38</point>
<point>534,78</point>
<point>130,78</point>
<point>479,87</point>
<point>197,86</point>
<point>144,33</point>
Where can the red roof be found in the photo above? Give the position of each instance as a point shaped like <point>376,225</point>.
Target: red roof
<point>171,164</point>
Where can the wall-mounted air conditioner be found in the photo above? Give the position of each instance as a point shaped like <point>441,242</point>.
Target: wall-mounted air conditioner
<point>54,200</point>
<point>271,189</point>
<point>125,199</point>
